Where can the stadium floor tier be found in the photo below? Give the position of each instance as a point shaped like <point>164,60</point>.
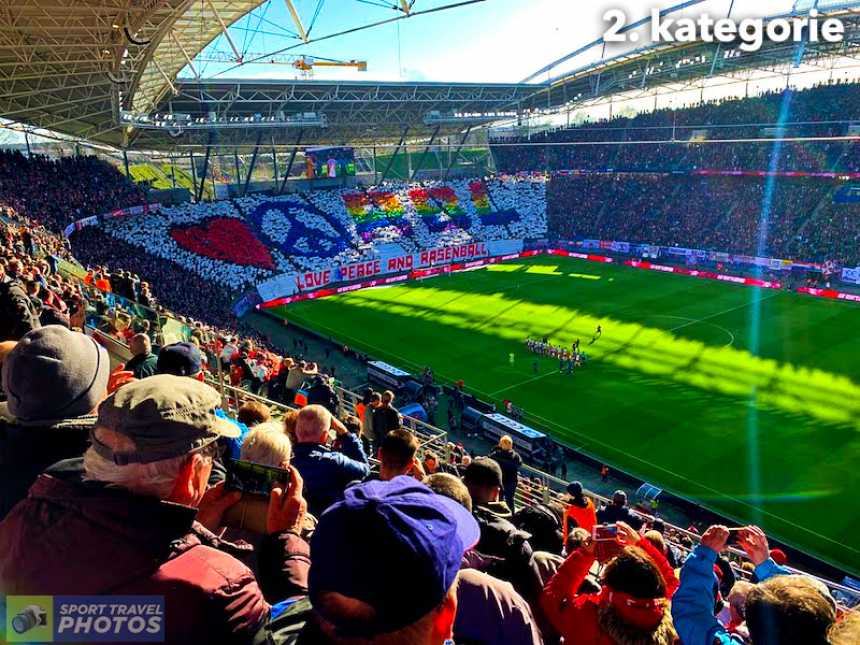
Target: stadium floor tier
<point>673,391</point>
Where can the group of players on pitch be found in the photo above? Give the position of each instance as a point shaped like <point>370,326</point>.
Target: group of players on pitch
<point>568,359</point>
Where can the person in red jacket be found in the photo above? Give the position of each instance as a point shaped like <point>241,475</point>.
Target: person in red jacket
<point>633,605</point>
<point>579,512</point>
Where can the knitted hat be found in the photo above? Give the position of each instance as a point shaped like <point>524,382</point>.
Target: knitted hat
<point>54,373</point>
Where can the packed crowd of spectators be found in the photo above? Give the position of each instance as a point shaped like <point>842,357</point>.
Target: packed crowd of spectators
<point>236,244</point>
<point>32,292</point>
<point>60,191</point>
<point>125,481</point>
<point>676,139</point>
<point>713,213</point>
<point>123,306</point>
<point>123,484</point>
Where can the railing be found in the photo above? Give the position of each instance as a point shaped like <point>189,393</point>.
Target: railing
<point>430,437</point>
<point>165,328</point>
<point>550,488</point>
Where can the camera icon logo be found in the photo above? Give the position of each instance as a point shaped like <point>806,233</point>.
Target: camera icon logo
<point>29,619</point>
<point>31,616</point>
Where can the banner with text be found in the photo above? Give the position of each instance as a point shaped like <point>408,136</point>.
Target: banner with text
<point>93,220</point>
<point>851,276</point>
<point>289,284</point>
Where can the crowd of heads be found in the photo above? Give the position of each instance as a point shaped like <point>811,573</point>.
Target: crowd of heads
<point>724,214</point>
<point>142,468</point>
<point>59,191</point>
<point>676,139</point>
<point>236,244</point>
<point>319,524</point>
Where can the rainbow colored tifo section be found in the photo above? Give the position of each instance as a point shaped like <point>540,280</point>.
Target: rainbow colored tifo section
<point>480,198</point>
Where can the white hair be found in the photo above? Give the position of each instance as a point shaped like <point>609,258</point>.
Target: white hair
<point>267,444</point>
<point>155,479</point>
<point>312,421</point>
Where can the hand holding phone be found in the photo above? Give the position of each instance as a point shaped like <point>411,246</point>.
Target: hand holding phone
<point>604,532</point>
<point>605,540</point>
<point>287,506</point>
<point>256,479</point>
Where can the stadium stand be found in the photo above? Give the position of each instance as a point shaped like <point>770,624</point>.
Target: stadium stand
<point>60,191</point>
<point>494,576</point>
<point>715,213</point>
<point>678,139</point>
<point>236,244</point>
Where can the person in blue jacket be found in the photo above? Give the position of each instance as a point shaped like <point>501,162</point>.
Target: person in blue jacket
<point>693,603</point>
<point>326,472</point>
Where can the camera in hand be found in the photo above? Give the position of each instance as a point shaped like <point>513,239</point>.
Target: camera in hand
<point>605,533</point>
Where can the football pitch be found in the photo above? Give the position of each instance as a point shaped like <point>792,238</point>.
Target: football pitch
<point>745,400</point>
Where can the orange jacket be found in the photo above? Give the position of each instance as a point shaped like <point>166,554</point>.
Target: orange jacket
<point>585,517</point>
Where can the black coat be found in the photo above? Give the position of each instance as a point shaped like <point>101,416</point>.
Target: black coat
<point>385,419</point>
<point>503,541</point>
<point>26,451</point>
<point>17,314</point>
<point>509,461</point>
<point>612,514</point>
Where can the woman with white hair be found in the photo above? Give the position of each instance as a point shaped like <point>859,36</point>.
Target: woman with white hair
<point>269,445</point>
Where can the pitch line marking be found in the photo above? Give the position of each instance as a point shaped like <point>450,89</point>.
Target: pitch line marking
<point>721,313</point>
<point>691,321</point>
<point>526,382</point>
<point>612,448</point>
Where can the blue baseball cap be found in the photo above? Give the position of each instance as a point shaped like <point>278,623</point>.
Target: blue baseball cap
<point>179,359</point>
<point>396,546</point>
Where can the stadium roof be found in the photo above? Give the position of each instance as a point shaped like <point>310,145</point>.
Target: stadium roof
<point>67,66</point>
<point>670,64</point>
<point>354,111</point>
<point>104,70</point>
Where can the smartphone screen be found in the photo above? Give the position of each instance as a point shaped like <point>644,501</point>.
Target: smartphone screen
<point>257,479</point>
<point>605,532</point>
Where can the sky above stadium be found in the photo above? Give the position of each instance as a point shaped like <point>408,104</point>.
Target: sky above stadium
<point>489,41</point>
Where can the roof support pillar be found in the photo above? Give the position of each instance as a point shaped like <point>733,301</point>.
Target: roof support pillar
<point>423,156</point>
<point>290,163</point>
<point>184,54</point>
<point>193,172</point>
<point>394,154</point>
<point>253,162</point>
<point>274,162</point>
<point>460,145</point>
<point>297,20</point>
<point>225,31</point>
<point>205,166</point>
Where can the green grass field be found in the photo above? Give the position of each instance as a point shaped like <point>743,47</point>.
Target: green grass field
<point>672,392</point>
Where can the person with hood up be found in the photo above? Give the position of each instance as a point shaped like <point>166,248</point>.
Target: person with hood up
<point>579,511</point>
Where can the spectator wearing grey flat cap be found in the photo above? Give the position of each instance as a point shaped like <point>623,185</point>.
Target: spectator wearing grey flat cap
<point>54,379</point>
<point>133,517</point>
